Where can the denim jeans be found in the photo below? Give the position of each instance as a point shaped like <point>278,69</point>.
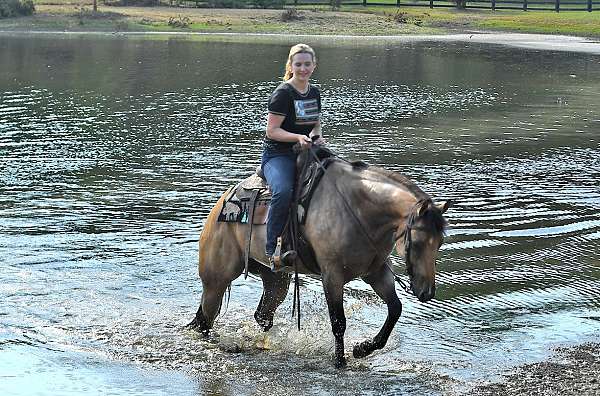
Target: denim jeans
<point>280,172</point>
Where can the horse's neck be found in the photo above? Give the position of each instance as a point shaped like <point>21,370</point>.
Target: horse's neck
<point>388,199</point>
<point>382,200</point>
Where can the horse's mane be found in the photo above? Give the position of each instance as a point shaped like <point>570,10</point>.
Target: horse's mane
<point>432,219</point>
<point>403,181</point>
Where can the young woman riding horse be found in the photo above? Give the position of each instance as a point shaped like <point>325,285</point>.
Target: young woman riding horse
<point>294,118</point>
<point>358,214</point>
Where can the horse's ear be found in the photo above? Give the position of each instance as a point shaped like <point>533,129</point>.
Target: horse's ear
<point>443,206</point>
<point>423,207</point>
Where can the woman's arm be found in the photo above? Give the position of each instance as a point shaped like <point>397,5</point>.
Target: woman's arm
<point>316,131</point>
<point>276,132</point>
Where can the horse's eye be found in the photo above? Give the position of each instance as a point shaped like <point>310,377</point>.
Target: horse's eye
<point>418,245</point>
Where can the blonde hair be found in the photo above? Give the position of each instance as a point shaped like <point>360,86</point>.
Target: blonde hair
<point>297,49</point>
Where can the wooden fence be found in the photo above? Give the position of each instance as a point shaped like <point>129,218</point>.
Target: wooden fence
<point>525,5</point>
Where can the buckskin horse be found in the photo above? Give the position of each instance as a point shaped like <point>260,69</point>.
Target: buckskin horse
<point>357,214</point>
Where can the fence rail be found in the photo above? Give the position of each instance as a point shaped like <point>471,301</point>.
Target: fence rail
<point>525,5</point>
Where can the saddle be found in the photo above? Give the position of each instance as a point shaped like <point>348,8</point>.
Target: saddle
<point>248,202</point>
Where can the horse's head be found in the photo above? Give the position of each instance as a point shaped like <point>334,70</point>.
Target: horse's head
<point>419,243</point>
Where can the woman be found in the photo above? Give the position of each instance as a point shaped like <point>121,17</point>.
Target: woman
<point>294,117</point>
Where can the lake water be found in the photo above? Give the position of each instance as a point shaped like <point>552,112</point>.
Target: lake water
<point>114,149</point>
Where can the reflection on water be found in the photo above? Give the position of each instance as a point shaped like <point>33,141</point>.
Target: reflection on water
<point>112,152</point>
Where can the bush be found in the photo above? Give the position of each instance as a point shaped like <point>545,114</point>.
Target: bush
<point>245,3</point>
<point>127,3</point>
<point>291,14</point>
<point>227,3</point>
<point>268,3</point>
<point>13,8</point>
<point>180,22</point>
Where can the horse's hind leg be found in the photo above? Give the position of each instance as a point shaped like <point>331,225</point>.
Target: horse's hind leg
<point>212,297</point>
<point>383,284</point>
<point>216,271</point>
<point>275,288</point>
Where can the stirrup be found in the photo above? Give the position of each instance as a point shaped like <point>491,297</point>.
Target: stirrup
<point>279,261</point>
<point>284,262</point>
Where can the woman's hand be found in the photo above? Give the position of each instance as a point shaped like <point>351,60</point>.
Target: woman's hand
<point>304,141</point>
<point>319,141</point>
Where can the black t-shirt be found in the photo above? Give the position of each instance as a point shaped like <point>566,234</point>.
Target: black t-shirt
<point>301,111</point>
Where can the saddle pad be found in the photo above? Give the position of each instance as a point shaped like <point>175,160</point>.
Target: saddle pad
<point>236,207</point>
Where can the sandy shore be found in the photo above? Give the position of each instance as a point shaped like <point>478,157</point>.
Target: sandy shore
<point>571,371</point>
<point>521,40</point>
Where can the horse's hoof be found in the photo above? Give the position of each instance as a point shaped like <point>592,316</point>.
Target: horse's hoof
<point>363,349</point>
<point>339,362</point>
<point>194,326</point>
<point>265,324</point>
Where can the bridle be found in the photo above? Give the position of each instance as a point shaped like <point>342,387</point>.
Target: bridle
<point>406,233</point>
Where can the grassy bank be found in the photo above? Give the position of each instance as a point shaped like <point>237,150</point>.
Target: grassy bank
<point>76,15</point>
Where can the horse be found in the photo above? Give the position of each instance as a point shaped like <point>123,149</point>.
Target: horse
<point>358,214</point>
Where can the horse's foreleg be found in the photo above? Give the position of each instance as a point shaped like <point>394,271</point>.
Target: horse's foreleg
<point>383,284</point>
<point>334,293</point>
<point>275,288</point>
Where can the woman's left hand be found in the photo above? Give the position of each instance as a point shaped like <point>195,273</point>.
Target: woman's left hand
<point>319,141</point>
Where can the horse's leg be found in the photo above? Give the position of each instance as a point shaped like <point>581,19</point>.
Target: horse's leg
<point>220,263</point>
<point>383,284</point>
<point>334,293</point>
<point>275,288</point>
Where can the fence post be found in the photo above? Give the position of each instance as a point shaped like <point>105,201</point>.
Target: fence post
<point>295,2</point>
<point>398,3</point>
<point>589,5</point>
<point>524,5</point>
<point>430,3</point>
<point>364,3</point>
<point>493,5</point>
<point>557,5</point>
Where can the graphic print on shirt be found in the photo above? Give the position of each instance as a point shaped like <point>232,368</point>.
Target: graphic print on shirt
<point>307,111</point>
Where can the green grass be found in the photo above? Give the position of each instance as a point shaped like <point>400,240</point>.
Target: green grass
<point>413,20</point>
<point>569,23</point>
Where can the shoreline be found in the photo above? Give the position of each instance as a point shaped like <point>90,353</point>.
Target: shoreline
<point>569,371</point>
<point>541,42</point>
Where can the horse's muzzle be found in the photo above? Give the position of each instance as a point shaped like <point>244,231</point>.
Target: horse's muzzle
<point>424,294</point>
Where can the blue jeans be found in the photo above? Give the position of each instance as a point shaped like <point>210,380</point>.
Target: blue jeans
<point>280,172</point>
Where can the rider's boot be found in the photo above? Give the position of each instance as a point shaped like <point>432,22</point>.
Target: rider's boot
<point>281,262</point>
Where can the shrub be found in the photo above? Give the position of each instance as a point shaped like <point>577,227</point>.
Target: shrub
<point>268,3</point>
<point>226,3</point>
<point>126,3</point>
<point>291,14</point>
<point>245,3</point>
<point>13,8</point>
<point>180,22</point>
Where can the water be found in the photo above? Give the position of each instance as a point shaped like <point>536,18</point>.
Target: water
<point>113,150</point>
